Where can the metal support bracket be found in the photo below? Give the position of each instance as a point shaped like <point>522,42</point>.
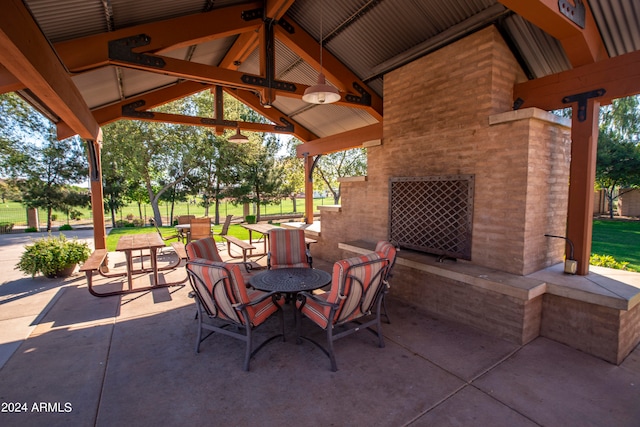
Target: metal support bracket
<point>286,26</point>
<point>575,13</point>
<point>93,161</point>
<point>313,166</point>
<point>131,110</point>
<point>122,50</point>
<point>251,14</point>
<point>581,99</point>
<point>288,126</point>
<point>363,99</point>
<point>269,81</point>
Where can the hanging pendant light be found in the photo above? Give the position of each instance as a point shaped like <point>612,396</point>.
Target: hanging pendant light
<point>321,92</point>
<point>238,138</point>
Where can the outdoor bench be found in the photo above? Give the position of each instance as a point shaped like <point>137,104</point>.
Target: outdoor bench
<point>179,247</point>
<point>244,246</point>
<point>93,263</point>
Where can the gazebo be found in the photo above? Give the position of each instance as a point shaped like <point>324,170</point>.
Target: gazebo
<point>451,101</point>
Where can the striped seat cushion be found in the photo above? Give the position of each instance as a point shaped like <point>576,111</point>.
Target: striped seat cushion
<point>342,283</point>
<point>287,248</point>
<point>388,251</point>
<point>224,287</point>
<point>203,248</point>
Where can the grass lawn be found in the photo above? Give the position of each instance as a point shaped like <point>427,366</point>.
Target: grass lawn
<point>620,239</point>
<point>115,233</point>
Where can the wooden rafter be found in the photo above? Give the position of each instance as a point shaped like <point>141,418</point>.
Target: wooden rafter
<point>252,101</point>
<point>343,141</point>
<point>582,46</point>
<point>26,53</point>
<point>618,76</point>
<point>93,51</point>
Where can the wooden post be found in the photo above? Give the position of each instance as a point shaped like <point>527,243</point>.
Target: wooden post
<point>97,201</point>
<point>308,189</point>
<point>582,175</point>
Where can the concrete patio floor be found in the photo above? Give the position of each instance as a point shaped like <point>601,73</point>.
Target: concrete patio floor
<point>72,359</point>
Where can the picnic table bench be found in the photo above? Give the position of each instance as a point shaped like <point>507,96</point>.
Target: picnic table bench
<point>244,246</point>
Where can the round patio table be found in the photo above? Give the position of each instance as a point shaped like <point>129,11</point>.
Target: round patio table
<point>290,280</point>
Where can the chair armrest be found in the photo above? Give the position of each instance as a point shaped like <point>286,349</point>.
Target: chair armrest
<point>302,296</point>
<point>241,306</point>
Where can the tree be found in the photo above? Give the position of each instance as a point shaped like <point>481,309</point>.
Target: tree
<point>42,166</point>
<point>333,166</point>
<point>257,174</point>
<point>151,154</point>
<point>618,157</point>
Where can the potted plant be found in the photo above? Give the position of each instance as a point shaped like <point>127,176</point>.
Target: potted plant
<point>53,256</point>
<point>251,219</point>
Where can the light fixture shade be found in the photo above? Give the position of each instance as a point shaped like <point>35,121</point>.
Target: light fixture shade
<point>238,138</point>
<point>321,93</point>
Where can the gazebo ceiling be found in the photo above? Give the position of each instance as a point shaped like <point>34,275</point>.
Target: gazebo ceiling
<point>125,57</point>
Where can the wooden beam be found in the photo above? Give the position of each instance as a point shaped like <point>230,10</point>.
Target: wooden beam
<point>113,112</point>
<point>273,114</point>
<point>582,46</point>
<point>246,43</point>
<point>8,82</point>
<point>342,141</point>
<point>305,46</point>
<point>619,76</point>
<point>26,53</point>
<point>90,52</point>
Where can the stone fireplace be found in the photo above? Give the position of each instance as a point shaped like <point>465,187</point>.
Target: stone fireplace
<point>432,214</point>
<point>449,115</point>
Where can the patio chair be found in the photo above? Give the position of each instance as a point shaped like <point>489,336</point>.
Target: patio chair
<point>207,248</point>
<point>288,249</point>
<point>165,238</point>
<point>184,219</point>
<point>387,250</point>
<point>199,229</point>
<point>226,306</point>
<point>353,303</point>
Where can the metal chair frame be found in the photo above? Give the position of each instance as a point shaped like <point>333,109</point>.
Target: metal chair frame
<point>211,321</point>
<point>338,317</point>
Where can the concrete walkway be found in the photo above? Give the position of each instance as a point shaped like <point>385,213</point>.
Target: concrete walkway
<point>71,359</point>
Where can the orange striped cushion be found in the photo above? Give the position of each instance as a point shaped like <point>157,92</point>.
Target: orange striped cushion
<point>203,248</point>
<point>387,250</point>
<point>288,248</point>
<point>341,285</point>
<point>231,291</point>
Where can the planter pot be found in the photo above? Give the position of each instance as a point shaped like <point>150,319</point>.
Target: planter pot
<point>65,272</point>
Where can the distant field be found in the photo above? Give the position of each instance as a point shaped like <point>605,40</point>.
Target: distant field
<point>15,213</point>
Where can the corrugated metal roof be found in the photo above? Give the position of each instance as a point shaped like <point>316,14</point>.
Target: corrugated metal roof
<point>369,36</point>
<point>619,24</point>
<point>542,53</point>
<point>70,19</point>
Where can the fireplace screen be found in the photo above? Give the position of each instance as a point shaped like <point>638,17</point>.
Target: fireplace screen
<point>432,214</point>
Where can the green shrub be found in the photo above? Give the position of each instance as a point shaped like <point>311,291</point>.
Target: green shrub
<point>65,227</point>
<point>31,230</point>
<point>6,227</point>
<point>50,255</point>
<point>607,261</point>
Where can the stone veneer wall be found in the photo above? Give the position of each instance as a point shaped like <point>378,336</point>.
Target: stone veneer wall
<point>437,113</point>
<point>629,203</point>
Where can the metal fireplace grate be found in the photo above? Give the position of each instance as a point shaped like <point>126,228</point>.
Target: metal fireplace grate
<point>433,214</point>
